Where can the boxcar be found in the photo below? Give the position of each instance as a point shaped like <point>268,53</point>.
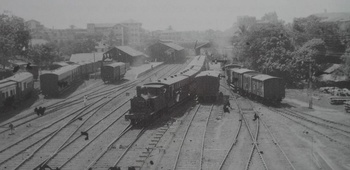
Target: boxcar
<point>207,85</point>
<point>237,78</point>
<point>227,70</point>
<point>247,82</point>
<point>54,82</point>
<point>268,88</point>
<point>8,90</point>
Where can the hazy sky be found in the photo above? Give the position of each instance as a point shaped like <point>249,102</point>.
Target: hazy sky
<point>159,14</point>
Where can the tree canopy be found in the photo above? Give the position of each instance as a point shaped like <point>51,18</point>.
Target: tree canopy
<point>14,37</point>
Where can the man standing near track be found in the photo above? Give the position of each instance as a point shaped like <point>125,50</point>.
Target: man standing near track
<point>12,129</point>
<point>85,100</point>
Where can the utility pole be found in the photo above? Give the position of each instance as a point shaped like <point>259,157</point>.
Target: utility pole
<point>94,66</point>
<point>310,86</point>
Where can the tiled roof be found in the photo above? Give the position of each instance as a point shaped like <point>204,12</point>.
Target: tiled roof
<point>130,51</point>
<point>86,57</point>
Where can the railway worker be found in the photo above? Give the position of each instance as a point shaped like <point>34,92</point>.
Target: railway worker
<point>36,110</point>
<point>85,134</point>
<point>85,100</point>
<point>152,66</point>
<point>255,116</point>
<point>12,129</point>
<point>226,107</point>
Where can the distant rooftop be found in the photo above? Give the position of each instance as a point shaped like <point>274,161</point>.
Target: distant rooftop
<point>334,17</point>
<point>86,57</point>
<point>130,51</point>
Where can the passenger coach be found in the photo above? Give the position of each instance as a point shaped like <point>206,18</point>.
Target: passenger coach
<point>113,72</point>
<point>55,82</point>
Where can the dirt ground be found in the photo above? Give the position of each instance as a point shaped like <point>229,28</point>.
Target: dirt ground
<point>307,149</point>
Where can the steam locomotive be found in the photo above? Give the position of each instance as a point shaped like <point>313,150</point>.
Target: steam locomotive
<point>154,98</point>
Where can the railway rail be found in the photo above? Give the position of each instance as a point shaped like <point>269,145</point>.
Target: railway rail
<point>255,142</point>
<point>295,119</point>
<point>37,132</point>
<point>70,101</point>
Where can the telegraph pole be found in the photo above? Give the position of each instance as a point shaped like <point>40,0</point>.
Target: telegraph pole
<point>310,86</point>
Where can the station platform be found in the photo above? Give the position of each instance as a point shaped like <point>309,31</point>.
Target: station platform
<point>138,71</point>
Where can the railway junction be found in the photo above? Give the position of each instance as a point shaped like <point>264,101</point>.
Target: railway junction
<point>193,135</point>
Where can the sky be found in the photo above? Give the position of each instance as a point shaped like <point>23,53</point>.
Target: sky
<point>182,15</point>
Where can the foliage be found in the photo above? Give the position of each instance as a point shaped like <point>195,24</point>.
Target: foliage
<point>76,46</point>
<point>312,27</point>
<point>43,54</point>
<point>264,47</point>
<point>286,50</point>
<point>14,37</point>
<point>312,52</point>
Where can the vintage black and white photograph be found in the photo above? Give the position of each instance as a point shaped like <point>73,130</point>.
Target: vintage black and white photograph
<point>175,85</point>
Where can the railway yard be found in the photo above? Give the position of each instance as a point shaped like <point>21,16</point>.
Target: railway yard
<point>74,135</point>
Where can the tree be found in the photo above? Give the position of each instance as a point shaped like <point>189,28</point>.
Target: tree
<point>14,37</point>
<point>311,27</point>
<point>312,52</point>
<point>43,54</point>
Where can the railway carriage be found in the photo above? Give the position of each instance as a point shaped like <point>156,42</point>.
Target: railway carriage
<point>55,82</point>
<point>268,88</point>
<point>113,72</point>
<point>16,88</point>
<point>207,85</point>
<point>8,91</point>
<point>25,84</point>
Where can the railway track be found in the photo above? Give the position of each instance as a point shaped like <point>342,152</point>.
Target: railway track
<point>190,151</point>
<point>343,129</point>
<point>30,136</point>
<point>260,143</point>
<point>72,101</point>
<point>309,124</point>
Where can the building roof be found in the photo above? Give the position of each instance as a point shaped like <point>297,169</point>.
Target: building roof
<point>173,46</point>
<point>86,57</point>
<point>105,25</point>
<point>332,68</point>
<point>333,78</point>
<point>130,51</point>
<point>334,16</point>
<point>21,76</point>
<point>207,44</point>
